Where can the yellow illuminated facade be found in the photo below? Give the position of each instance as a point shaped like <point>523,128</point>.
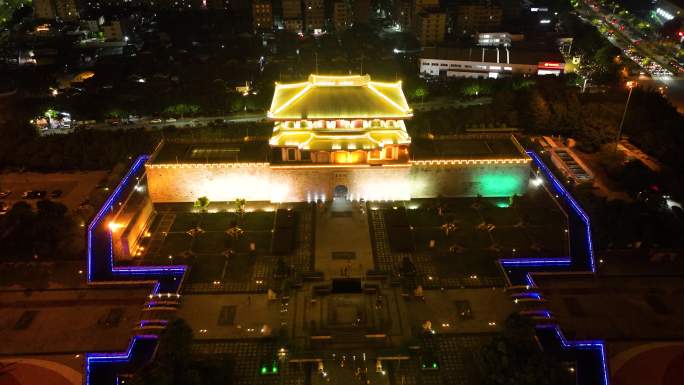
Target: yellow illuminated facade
<point>340,120</point>
<point>342,137</point>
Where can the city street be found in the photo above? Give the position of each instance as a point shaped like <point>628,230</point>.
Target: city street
<point>674,84</point>
<point>180,123</point>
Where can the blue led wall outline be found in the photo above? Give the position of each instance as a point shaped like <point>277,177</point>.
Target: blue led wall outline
<point>155,274</point>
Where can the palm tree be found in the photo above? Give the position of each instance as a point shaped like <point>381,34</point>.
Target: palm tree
<point>202,203</point>
<point>239,207</point>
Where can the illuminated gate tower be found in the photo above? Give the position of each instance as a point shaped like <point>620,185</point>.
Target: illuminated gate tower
<point>339,136</point>
<point>332,120</point>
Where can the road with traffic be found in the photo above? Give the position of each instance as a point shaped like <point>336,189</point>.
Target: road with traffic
<point>658,72</point>
<point>156,124</point>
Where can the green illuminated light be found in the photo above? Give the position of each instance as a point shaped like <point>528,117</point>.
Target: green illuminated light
<point>269,368</point>
<point>499,185</point>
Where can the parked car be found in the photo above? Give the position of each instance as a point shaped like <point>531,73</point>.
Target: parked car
<point>56,194</point>
<point>4,194</point>
<point>170,120</point>
<point>155,121</point>
<point>40,194</point>
<point>4,208</point>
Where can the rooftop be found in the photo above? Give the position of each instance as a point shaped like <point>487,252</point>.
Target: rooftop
<point>489,55</point>
<point>616,308</point>
<point>171,152</point>
<point>72,320</point>
<point>339,97</point>
<point>467,147</point>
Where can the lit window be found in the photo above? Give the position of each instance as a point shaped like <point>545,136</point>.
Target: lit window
<point>291,154</point>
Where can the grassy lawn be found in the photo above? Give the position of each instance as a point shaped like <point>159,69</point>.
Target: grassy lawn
<point>472,239</point>
<point>499,216</point>
<point>418,218</point>
<point>185,222</point>
<point>207,268</point>
<point>240,268</point>
<point>261,239</point>
<point>217,221</point>
<point>213,242</point>
<point>258,221</point>
<point>509,238</point>
<point>534,226</point>
<point>465,264</point>
<point>175,243</point>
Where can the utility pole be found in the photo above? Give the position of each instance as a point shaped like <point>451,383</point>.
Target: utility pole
<point>630,84</point>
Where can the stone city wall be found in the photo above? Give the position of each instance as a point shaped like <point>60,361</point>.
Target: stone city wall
<point>261,182</point>
<point>467,180</point>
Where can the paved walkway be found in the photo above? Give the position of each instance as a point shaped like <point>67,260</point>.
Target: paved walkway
<point>342,227</point>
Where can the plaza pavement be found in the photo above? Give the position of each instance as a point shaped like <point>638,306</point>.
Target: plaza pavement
<point>342,226</point>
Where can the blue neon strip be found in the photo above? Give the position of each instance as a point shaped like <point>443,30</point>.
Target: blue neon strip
<point>97,220</point>
<point>146,322</point>
<point>520,265</point>
<point>108,358</point>
<point>532,262</point>
<point>597,345</point>
<point>571,201</point>
<point>527,294</point>
<point>157,273</point>
<point>537,313</point>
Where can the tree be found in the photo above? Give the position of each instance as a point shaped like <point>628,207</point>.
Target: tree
<point>514,358</point>
<point>182,109</point>
<point>173,363</point>
<point>239,204</point>
<point>421,92</point>
<point>540,115</point>
<point>202,203</point>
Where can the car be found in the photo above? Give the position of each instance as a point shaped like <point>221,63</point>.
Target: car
<point>170,120</point>
<point>40,194</point>
<point>4,194</point>
<point>4,208</point>
<point>56,194</point>
<point>155,121</point>
<point>27,194</point>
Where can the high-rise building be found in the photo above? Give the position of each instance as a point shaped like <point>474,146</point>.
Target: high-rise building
<point>112,31</point>
<point>478,17</point>
<point>66,9</point>
<point>362,11</point>
<point>418,6</point>
<point>43,9</point>
<point>314,14</point>
<point>342,15</point>
<point>430,26</point>
<point>402,14</point>
<point>218,5</point>
<point>262,15</point>
<point>292,15</point>
<point>51,9</point>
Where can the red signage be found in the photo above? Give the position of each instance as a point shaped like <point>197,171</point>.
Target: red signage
<point>551,65</point>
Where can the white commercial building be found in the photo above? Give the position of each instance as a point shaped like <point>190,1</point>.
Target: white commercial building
<point>493,39</point>
<point>489,62</point>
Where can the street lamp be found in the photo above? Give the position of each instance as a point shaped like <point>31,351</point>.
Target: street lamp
<point>630,84</point>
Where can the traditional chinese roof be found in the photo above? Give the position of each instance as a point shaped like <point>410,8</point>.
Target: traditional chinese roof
<point>339,97</point>
<point>340,140</point>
